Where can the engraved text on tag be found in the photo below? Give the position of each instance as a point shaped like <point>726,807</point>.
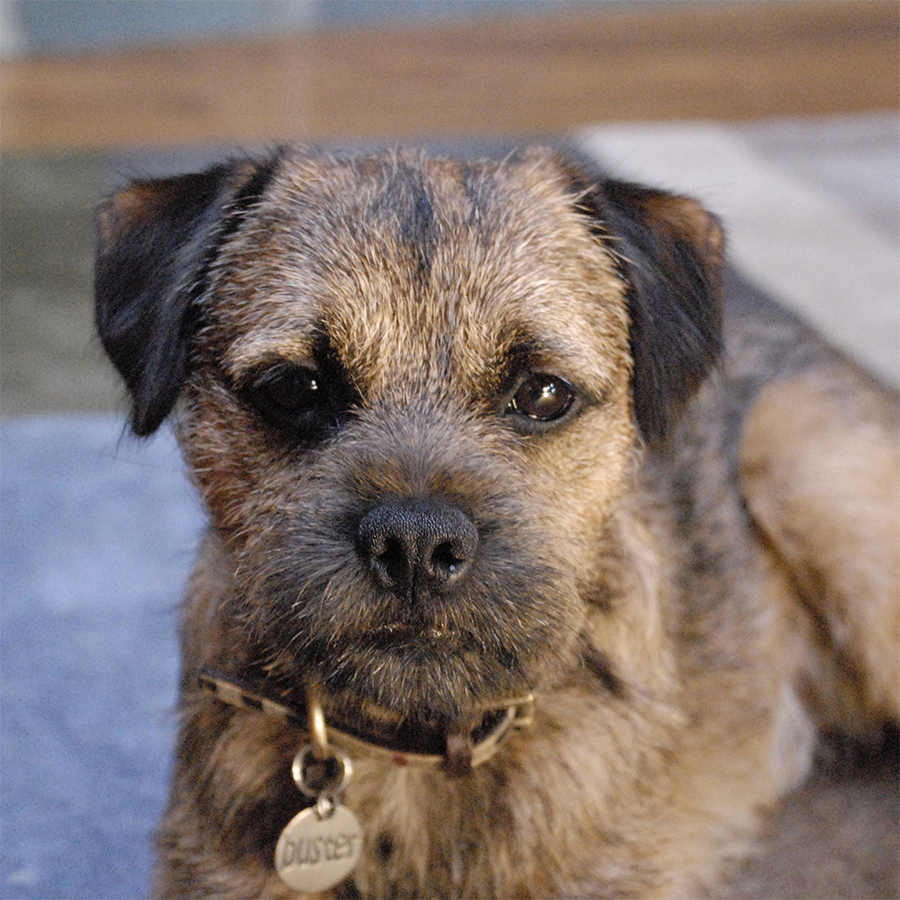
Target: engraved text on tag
<point>315,852</point>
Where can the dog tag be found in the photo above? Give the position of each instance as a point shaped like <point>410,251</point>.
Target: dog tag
<point>321,845</point>
<point>318,848</point>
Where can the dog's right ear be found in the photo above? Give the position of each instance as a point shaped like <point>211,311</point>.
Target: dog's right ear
<point>156,241</point>
<point>669,250</point>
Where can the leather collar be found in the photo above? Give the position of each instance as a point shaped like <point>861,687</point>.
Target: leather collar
<point>403,745</point>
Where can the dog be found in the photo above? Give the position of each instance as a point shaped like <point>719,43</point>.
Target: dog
<point>487,441</point>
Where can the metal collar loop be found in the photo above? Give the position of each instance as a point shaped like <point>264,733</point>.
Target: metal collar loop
<point>318,736</point>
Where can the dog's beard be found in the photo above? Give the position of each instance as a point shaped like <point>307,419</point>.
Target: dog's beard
<point>314,613</point>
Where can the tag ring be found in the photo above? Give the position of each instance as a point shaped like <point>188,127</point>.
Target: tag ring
<point>318,736</point>
<point>321,776</point>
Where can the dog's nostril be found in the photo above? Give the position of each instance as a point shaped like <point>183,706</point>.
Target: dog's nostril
<point>445,559</point>
<point>416,545</point>
<point>392,564</point>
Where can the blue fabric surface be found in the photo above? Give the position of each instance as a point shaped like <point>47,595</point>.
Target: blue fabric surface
<point>97,536</point>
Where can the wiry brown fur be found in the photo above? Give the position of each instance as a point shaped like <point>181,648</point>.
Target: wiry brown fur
<point>688,600</point>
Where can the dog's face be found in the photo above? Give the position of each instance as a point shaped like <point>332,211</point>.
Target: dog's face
<point>413,391</point>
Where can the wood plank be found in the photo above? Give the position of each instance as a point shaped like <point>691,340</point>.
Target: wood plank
<point>517,75</point>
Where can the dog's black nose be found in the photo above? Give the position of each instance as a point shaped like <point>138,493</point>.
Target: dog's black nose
<point>415,545</point>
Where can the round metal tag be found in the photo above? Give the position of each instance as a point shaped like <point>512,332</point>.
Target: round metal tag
<point>315,853</point>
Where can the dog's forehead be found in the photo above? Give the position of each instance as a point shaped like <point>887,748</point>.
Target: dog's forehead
<point>425,268</point>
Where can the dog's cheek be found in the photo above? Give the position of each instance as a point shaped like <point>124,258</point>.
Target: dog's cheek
<point>570,488</point>
<point>580,473</point>
<point>242,474</point>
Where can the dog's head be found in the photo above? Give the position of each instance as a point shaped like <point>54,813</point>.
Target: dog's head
<point>411,394</point>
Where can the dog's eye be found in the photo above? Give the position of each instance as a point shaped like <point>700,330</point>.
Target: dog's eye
<point>293,397</point>
<point>290,390</point>
<point>541,399</point>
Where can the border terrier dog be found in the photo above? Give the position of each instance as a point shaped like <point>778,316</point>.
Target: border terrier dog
<point>491,465</point>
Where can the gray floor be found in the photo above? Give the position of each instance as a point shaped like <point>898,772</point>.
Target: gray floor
<point>49,360</point>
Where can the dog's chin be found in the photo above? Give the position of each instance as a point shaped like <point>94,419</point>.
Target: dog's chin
<point>397,681</point>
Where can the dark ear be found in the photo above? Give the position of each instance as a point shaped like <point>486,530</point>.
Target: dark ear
<point>670,252</point>
<point>156,241</point>
<point>671,249</point>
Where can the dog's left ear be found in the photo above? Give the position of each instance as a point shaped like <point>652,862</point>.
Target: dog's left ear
<point>670,250</point>
<point>155,243</point>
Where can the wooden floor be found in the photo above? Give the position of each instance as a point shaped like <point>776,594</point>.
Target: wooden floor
<point>520,75</point>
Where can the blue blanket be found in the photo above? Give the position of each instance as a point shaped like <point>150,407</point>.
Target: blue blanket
<point>97,536</point>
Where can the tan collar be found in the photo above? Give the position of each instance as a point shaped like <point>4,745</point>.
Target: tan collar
<point>462,752</point>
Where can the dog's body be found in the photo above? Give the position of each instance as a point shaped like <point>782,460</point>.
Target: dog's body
<point>460,435</point>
